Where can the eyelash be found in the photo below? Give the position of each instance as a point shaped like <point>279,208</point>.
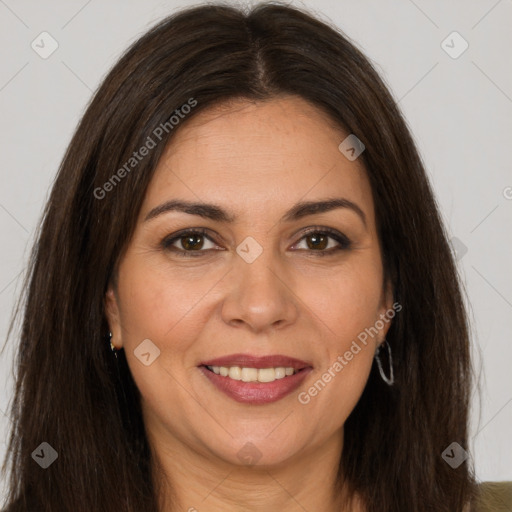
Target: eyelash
<point>343,240</point>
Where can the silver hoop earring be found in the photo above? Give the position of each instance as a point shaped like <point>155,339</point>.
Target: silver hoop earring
<point>389,381</point>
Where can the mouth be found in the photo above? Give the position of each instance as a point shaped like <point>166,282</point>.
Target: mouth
<point>247,374</point>
<point>256,380</point>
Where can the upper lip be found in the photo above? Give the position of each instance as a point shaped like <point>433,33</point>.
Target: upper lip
<point>250,361</point>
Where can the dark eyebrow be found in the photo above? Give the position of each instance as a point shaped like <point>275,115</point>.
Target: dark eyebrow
<point>208,211</point>
<point>305,208</point>
<point>216,213</point>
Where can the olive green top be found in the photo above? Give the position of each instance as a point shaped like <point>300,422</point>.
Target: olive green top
<point>494,497</point>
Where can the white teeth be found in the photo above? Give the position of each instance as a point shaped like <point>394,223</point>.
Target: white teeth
<point>253,374</point>
<point>235,372</point>
<point>281,372</point>
<point>249,374</point>
<point>266,375</point>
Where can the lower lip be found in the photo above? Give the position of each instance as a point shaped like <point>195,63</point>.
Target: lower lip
<point>256,393</point>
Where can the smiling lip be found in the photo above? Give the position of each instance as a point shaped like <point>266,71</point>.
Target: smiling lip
<point>257,393</point>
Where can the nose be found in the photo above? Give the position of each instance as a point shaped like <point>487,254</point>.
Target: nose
<point>260,295</point>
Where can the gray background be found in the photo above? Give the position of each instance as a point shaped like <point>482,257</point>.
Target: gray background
<point>459,110</point>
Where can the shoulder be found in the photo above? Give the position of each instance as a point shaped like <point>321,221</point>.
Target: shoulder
<point>493,497</point>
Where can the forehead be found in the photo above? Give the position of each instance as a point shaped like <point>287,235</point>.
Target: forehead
<point>258,155</point>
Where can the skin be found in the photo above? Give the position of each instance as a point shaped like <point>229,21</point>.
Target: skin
<point>255,160</point>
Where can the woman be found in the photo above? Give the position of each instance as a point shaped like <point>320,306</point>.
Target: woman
<point>242,296</point>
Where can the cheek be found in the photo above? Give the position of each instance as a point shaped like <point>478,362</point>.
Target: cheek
<point>339,382</point>
<point>347,308</point>
<point>158,303</point>
<point>170,310</point>
<point>170,307</point>
<point>344,304</point>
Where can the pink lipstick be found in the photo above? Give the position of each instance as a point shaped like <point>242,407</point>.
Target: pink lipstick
<point>256,380</point>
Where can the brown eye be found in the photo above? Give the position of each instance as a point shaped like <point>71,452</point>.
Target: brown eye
<point>188,243</point>
<point>324,241</point>
<point>192,242</point>
<point>317,241</point>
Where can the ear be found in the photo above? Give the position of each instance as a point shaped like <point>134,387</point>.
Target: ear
<point>113,316</point>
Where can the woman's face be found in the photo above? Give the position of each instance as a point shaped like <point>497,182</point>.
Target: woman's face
<point>263,280</point>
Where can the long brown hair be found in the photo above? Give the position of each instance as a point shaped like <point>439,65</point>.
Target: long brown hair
<point>74,395</point>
